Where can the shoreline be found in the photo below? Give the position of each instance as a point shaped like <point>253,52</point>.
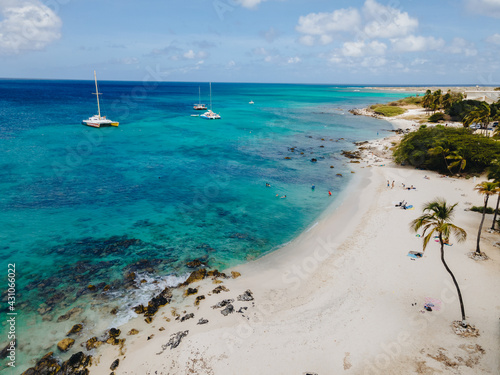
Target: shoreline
<point>342,296</point>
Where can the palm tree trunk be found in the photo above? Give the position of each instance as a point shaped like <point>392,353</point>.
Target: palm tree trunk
<point>495,215</point>
<point>462,308</point>
<point>478,251</point>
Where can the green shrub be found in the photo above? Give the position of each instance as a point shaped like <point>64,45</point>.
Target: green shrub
<point>436,117</point>
<point>478,151</point>
<point>489,210</point>
<point>389,111</point>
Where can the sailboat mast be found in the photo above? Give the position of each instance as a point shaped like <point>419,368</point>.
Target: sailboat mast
<point>97,94</point>
<point>210,95</point>
<point>199,95</point>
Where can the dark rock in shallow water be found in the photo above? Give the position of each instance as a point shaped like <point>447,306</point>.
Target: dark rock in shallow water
<point>115,364</point>
<point>194,263</point>
<point>247,296</point>
<point>70,314</point>
<point>93,343</point>
<point>228,310</point>
<point>113,332</point>
<point>195,276</point>
<point>156,302</point>
<point>76,328</point>
<point>202,321</point>
<point>187,316</point>
<point>65,344</point>
<point>314,160</point>
<point>175,340</point>
<point>5,351</point>
<point>48,365</point>
<point>55,299</point>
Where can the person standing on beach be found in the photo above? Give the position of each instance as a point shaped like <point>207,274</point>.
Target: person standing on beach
<point>392,187</point>
<point>388,183</point>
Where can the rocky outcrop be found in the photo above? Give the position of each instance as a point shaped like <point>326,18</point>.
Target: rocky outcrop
<point>222,303</point>
<point>247,296</point>
<point>114,365</point>
<point>190,291</point>
<point>187,316</point>
<point>198,300</point>
<point>175,340</point>
<point>156,302</point>
<point>65,344</point>
<point>48,365</point>
<point>202,321</point>
<point>228,310</point>
<point>75,329</point>
<point>220,288</point>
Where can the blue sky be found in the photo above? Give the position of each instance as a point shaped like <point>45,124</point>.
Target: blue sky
<point>314,41</point>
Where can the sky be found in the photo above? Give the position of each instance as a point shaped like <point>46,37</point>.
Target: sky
<point>282,41</point>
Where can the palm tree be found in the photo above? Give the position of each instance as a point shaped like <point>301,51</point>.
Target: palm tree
<point>436,219</point>
<point>486,188</point>
<point>480,115</point>
<point>440,150</point>
<point>427,100</point>
<point>459,161</point>
<point>494,174</point>
<point>437,100</point>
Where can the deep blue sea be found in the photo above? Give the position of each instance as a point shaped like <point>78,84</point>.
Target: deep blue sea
<point>81,206</point>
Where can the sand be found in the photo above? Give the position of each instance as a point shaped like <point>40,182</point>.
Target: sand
<point>343,297</point>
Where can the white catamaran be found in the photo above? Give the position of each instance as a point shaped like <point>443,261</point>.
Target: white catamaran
<point>97,121</point>
<point>209,115</point>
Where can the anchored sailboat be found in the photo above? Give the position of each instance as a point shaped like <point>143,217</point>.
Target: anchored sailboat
<point>209,115</point>
<point>199,106</point>
<point>97,121</point>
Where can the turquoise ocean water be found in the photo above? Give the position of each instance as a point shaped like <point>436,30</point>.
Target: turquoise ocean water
<point>82,206</point>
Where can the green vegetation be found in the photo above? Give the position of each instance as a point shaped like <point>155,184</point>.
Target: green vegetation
<point>447,150</point>
<point>436,117</point>
<point>387,110</point>
<point>480,209</point>
<point>410,100</point>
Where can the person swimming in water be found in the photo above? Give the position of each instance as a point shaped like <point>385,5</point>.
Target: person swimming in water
<point>329,193</point>
<point>313,187</point>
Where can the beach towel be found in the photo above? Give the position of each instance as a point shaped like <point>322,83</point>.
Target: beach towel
<point>432,303</point>
<point>415,254</point>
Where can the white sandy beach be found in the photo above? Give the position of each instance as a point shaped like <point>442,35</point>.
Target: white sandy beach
<point>343,297</point>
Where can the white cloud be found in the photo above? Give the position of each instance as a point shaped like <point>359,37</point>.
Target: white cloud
<point>494,39</point>
<point>373,62</point>
<point>194,55</point>
<point>27,25</point>
<point>249,3</point>
<point>489,8</point>
<point>189,54</point>
<point>463,47</point>
<point>387,22</point>
<point>307,40</point>
<point>294,60</point>
<point>269,35</point>
<point>359,49</point>
<point>414,43</point>
<point>327,23</point>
